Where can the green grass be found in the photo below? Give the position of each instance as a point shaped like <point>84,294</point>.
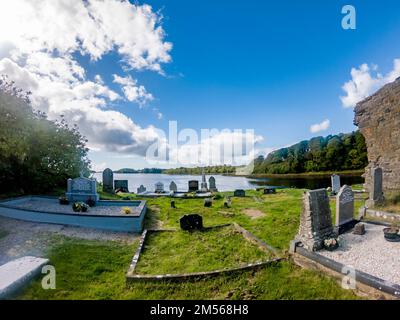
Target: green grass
<point>96,270</point>
<point>185,252</point>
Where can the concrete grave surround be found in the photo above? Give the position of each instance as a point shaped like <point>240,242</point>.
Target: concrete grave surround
<point>212,185</point>
<point>376,187</point>
<point>81,189</point>
<point>193,185</point>
<point>173,187</point>
<point>17,273</point>
<point>335,179</point>
<point>141,189</point>
<point>121,185</point>
<point>108,181</point>
<point>344,206</point>
<point>378,119</point>
<point>315,220</point>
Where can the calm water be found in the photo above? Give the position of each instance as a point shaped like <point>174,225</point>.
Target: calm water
<point>225,183</point>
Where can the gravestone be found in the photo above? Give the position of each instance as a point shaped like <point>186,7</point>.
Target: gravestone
<point>193,186</point>
<point>159,187</point>
<point>376,193</point>
<point>315,220</point>
<point>239,193</point>
<point>108,181</point>
<point>335,179</point>
<point>173,187</point>
<point>191,222</point>
<point>141,189</point>
<point>204,187</point>
<point>212,185</point>
<point>81,189</point>
<point>208,202</point>
<point>345,209</point>
<point>172,204</point>
<point>269,190</point>
<point>121,185</point>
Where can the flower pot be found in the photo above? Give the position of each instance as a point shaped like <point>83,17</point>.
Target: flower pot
<point>332,248</point>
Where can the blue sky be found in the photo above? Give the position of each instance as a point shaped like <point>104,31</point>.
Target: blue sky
<point>277,67</point>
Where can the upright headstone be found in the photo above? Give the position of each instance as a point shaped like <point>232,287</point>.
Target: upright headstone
<point>212,185</point>
<point>239,193</point>
<point>81,189</point>
<point>193,186</point>
<point>315,220</point>
<point>269,190</point>
<point>159,187</point>
<point>204,187</point>
<point>335,179</point>
<point>345,209</point>
<point>121,186</point>
<point>376,193</point>
<point>108,181</point>
<point>141,189</point>
<point>173,187</point>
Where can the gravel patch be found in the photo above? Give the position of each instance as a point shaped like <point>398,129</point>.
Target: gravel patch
<point>34,239</point>
<point>369,253</point>
<point>52,205</point>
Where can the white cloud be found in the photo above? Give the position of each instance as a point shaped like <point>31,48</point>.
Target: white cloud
<point>324,125</point>
<point>132,91</point>
<point>39,43</point>
<point>365,81</point>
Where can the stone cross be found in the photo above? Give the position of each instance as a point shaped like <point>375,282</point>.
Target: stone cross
<point>335,179</point>
<point>173,187</point>
<point>345,208</point>
<point>315,220</point>
<point>141,189</point>
<point>211,182</point>
<point>108,181</point>
<point>376,192</point>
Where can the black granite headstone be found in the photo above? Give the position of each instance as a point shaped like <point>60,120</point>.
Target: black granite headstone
<point>191,222</point>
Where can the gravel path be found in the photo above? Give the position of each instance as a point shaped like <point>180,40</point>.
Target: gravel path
<point>30,238</point>
<point>369,253</point>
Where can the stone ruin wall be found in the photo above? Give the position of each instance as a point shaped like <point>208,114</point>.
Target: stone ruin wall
<point>378,118</point>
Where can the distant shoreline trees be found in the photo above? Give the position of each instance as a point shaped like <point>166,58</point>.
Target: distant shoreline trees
<point>36,155</point>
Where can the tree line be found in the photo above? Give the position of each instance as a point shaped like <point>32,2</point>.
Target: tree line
<point>36,155</point>
<point>332,153</point>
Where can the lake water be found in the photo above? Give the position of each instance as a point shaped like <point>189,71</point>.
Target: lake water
<point>225,183</point>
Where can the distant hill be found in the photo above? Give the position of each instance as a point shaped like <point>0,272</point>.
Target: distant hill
<point>332,153</point>
<point>225,169</point>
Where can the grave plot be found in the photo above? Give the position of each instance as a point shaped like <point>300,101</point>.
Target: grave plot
<point>183,254</point>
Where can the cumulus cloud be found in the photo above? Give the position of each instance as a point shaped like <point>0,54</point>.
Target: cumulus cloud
<point>39,45</point>
<point>366,80</point>
<point>132,91</point>
<point>324,125</point>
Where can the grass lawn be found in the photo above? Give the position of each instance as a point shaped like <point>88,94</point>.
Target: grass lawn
<point>184,252</point>
<point>96,270</point>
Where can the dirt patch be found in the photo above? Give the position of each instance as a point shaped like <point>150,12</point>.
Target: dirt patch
<point>253,213</point>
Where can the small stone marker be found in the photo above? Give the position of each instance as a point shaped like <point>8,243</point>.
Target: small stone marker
<point>376,192</point>
<point>335,179</point>
<point>359,229</point>
<point>173,187</point>
<point>208,202</point>
<point>315,220</point>
<point>159,187</point>
<point>108,181</point>
<point>141,189</point>
<point>121,185</point>
<point>212,185</point>
<point>173,204</point>
<point>269,190</point>
<point>81,189</point>
<point>193,186</point>
<point>191,222</point>
<point>345,209</point>
<point>239,193</point>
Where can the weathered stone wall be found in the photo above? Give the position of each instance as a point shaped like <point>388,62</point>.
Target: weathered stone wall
<point>378,118</point>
